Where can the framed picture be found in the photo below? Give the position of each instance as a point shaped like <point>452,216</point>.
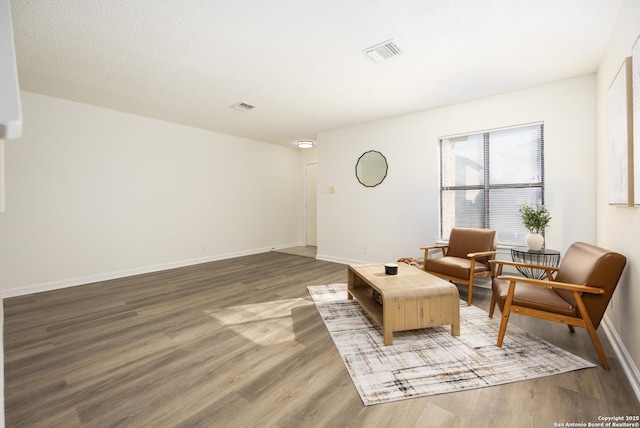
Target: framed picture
<point>635,72</point>
<point>619,100</point>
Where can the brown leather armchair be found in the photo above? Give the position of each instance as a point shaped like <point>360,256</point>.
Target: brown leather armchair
<point>465,258</point>
<point>577,295</point>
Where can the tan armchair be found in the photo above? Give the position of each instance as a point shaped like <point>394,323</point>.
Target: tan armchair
<point>577,295</point>
<point>465,258</point>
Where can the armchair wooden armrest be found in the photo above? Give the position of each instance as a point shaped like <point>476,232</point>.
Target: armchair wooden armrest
<point>553,284</point>
<point>482,254</point>
<point>442,247</point>
<point>550,270</point>
<point>433,247</point>
<point>518,264</point>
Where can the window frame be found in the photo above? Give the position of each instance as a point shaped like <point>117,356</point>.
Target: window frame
<point>486,186</point>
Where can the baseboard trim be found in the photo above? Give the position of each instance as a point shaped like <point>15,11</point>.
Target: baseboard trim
<point>628,365</point>
<point>73,282</point>
<point>327,258</point>
<point>296,244</point>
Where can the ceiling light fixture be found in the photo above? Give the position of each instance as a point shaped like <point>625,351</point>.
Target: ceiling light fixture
<point>305,144</point>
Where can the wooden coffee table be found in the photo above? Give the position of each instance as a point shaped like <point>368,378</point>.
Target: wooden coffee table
<point>412,299</point>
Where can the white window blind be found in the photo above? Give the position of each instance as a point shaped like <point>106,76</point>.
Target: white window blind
<point>485,177</point>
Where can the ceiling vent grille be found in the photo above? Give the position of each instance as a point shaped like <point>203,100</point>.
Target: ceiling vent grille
<point>382,51</point>
<point>242,106</point>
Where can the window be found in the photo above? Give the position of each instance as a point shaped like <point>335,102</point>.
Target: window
<point>485,177</point>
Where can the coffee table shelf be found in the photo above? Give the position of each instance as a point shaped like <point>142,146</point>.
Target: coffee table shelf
<point>370,306</point>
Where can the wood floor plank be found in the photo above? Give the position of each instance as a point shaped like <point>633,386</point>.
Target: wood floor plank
<point>239,343</point>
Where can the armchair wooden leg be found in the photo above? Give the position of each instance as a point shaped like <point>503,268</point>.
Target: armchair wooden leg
<point>506,311</point>
<point>424,261</point>
<point>598,346</point>
<point>492,305</point>
<point>593,335</point>
<point>503,328</point>
<point>470,293</point>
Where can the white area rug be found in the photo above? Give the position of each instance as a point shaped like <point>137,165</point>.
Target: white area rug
<point>431,361</point>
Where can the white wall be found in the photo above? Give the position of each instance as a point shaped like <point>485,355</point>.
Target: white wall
<point>93,193</point>
<point>395,218</point>
<point>618,228</point>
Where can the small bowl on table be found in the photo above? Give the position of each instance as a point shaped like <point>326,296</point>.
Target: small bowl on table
<point>391,268</point>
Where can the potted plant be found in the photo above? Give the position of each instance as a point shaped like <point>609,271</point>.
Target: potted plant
<point>535,219</point>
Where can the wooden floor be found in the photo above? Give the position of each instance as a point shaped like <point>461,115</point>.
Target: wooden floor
<point>307,251</point>
<point>238,343</point>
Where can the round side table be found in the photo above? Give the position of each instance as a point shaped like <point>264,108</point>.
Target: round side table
<point>544,257</point>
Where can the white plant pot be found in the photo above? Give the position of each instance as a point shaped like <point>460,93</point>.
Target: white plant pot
<point>534,241</point>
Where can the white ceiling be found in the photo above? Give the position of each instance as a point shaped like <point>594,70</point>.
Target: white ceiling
<point>300,62</point>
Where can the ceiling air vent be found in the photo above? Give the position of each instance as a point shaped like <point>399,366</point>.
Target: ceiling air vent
<point>382,51</point>
<point>242,106</point>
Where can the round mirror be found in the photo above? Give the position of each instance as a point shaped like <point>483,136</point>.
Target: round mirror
<point>371,168</point>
